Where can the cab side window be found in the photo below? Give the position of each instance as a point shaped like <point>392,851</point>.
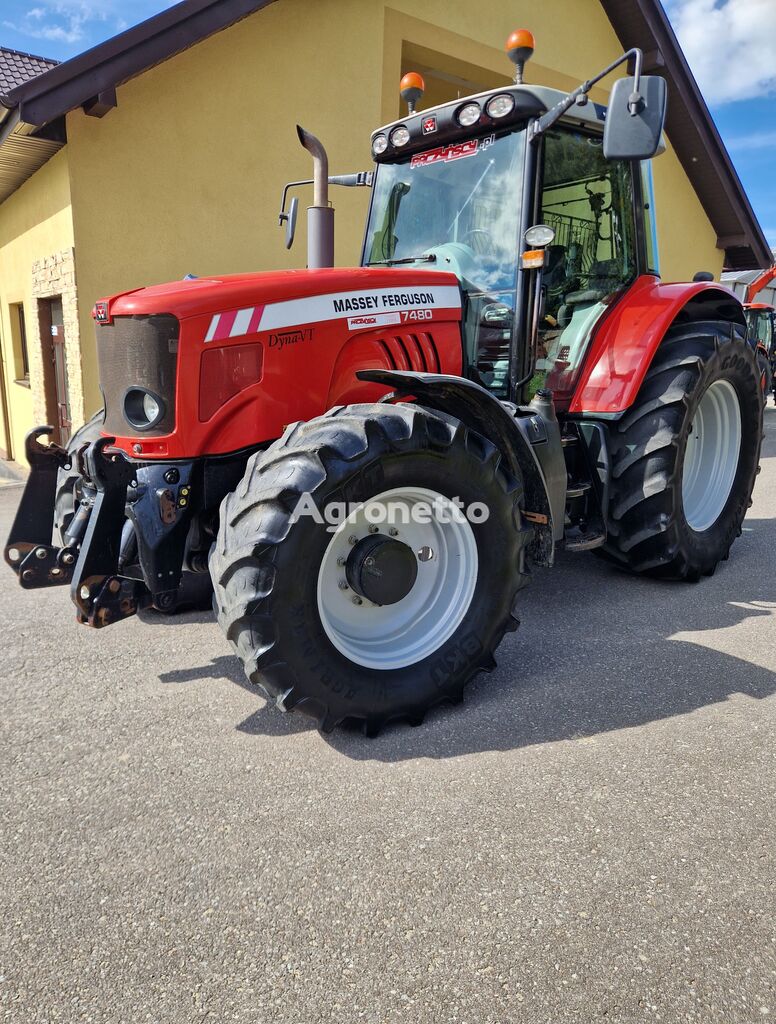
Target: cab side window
<point>589,203</point>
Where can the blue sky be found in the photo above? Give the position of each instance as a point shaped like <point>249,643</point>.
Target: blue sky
<point>730,45</point>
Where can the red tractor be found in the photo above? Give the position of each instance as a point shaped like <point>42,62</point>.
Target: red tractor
<point>760,318</point>
<point>369,460</point>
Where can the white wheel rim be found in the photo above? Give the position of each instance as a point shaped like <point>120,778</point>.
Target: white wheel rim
<point>711,456</point>
<point>401,634</point>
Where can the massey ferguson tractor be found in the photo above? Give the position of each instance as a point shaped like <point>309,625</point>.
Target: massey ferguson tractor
<point>369,461</point>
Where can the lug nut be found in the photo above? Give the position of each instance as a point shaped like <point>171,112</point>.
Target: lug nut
<point>357,600</point>
<point>67,558</point>
<point>28,575</point>
<point>341,560</point>
<point>393,532</point>
<point>172,476</point>
<point>425,554</point>
<point>352,539</point>
<point>374,529</point>
<point>343,585</point>
<point>40,553</point>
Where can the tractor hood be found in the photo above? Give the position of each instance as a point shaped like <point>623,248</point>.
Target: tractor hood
<point>330,294</point>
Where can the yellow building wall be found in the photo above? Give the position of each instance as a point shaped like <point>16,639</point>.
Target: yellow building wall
<point>35,222</point>
<point>185,175</point>
<point>686,240</point>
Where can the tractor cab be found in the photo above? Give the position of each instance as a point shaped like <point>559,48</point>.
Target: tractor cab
<point>458,186</point>
<point>760,326</point>
<point>761,333</point>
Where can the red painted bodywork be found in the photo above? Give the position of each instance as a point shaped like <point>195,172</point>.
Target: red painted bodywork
<point>625,341</point>
<point>300,378</point>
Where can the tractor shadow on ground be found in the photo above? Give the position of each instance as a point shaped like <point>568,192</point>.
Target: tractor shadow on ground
<point>598,650</point>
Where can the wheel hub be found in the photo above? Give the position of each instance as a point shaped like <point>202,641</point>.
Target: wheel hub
<point>402,616</point>
<point>381,569</point>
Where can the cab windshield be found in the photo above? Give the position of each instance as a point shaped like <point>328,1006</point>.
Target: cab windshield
<point>459,204</point>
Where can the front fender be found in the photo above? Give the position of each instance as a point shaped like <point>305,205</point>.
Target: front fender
<point>512,435</point>
<point>625,343</point>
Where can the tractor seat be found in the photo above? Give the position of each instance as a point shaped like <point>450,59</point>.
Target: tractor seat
<point>604,277</point>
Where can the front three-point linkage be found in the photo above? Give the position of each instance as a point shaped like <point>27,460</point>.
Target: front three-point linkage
<point>100,595</point>
<point>29,551</point>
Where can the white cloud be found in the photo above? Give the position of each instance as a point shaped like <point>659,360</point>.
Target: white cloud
<point>729,44</point>
<point>65,21</point>
<point>757,140</point>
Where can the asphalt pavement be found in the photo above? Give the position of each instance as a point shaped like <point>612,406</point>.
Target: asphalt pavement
<point>589,836</point>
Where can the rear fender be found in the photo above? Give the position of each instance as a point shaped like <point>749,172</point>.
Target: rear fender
<point>625,343</point>
<point>480,410</point>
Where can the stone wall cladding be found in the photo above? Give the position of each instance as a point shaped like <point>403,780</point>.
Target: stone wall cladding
<point>51,277</point>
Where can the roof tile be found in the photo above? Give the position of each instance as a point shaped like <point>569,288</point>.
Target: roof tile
<point>17,68</point>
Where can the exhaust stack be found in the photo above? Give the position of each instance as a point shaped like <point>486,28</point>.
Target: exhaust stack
<point>320,216</point>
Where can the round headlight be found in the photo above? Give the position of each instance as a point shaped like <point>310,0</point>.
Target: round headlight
<point>539,236</point>
<point>400,136</point>
<point>379,144</point>
<point>142,409</point>
<point>500,106</point>
<point>469,114</point>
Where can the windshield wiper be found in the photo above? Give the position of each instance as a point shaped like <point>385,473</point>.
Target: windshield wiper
<point>430,258</point>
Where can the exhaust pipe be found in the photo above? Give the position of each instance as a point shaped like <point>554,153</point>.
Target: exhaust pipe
<point>320,216</point>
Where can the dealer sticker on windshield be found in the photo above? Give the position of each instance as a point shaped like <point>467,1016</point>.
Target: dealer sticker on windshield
<point>455,151</point>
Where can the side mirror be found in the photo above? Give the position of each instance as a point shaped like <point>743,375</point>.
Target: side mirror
<point>290,219</point>
<point>634,121</point>
<point>497,316</point>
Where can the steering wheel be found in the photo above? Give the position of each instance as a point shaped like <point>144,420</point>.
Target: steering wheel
<point>481,241</point>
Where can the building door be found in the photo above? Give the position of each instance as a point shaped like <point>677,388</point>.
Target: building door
<point>6,451</point>
<point>55,366</point>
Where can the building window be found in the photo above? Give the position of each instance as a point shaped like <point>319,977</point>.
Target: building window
<point>19,337</point>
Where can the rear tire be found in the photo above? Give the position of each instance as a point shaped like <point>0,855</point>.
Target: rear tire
<point>299,636</point>
<point>678,501</point>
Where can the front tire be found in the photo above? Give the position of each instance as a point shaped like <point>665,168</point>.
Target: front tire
<point>685,456</point>
<point>287,589</point>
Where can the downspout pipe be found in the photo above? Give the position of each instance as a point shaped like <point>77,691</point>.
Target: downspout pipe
<point>320,216</point>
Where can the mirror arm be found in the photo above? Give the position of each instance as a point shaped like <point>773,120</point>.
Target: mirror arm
<point>541,124</point>
<point>361,179</point>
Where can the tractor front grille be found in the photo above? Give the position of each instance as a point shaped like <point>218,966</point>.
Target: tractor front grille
<point>138,352</point>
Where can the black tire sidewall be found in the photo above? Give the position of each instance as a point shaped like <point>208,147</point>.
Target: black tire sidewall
<point>735,363</point>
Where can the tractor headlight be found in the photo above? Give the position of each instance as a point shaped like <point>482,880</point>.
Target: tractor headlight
<point>151,408</point>
<point>469,114</point>
<point>500,106</point>
<point>400,136</point>
<point>379,144</point>
<point>142,409</point>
